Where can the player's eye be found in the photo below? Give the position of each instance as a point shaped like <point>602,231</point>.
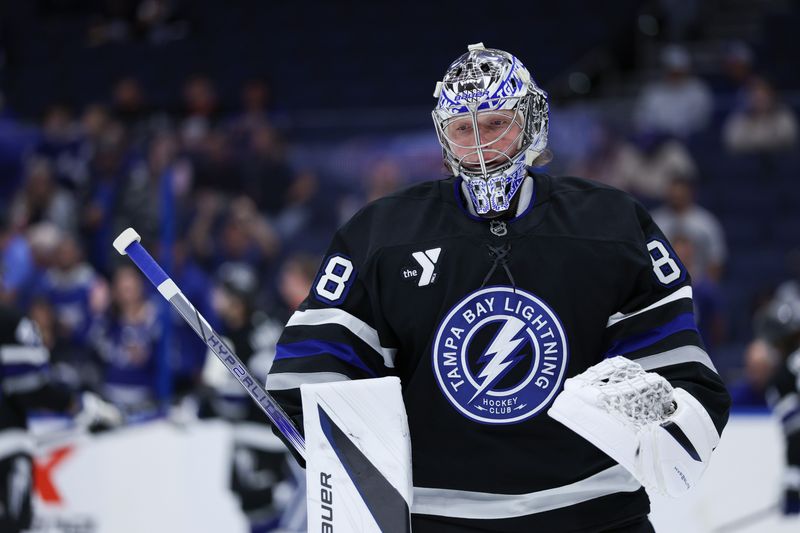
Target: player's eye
<point>494,124</point>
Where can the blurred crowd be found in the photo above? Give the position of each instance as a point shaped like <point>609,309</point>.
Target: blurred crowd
<point>214,191</point>
<point>217,203</point>
<point>215,196</point>
<point>737,117</point>
<point>240,225</point>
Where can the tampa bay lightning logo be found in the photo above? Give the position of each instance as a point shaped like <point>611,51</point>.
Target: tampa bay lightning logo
<point>500,355</point>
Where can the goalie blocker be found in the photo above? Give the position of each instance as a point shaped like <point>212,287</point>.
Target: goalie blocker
<point>661,435</point>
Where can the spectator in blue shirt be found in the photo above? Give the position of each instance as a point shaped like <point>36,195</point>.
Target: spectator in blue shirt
<point>126,337</point>
<point>16,262</point>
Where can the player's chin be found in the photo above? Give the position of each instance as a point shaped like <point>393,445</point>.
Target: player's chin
<point>494,160</point>
<point>473,163</point>
<point>475,169</point>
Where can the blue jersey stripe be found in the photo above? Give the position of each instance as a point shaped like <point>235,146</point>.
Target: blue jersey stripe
<point>681,322</point>
<point>21,369</point>
<point>311,348</point>
<point>791,414</point>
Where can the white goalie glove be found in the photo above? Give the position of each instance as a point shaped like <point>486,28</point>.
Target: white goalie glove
<point>661,435</point>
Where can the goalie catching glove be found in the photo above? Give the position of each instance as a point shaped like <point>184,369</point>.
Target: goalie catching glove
<point>660,434</point>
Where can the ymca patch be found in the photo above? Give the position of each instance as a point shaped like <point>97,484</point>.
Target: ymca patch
<point>424,271</point>
<point>500,355</point>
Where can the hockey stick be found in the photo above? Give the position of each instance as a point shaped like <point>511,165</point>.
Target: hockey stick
<point>128,243</point>
<point>747,520</point>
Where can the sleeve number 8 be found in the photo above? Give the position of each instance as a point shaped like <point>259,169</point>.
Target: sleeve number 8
<point>666,268</point>
<point>333,283</point>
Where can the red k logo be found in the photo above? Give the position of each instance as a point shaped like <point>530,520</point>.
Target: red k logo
<point>43,474</point>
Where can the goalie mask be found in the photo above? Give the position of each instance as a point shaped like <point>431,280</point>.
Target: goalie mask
<point>492,121</point>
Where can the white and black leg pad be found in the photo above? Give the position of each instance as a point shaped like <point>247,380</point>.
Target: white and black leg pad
<point>358,456</point>
<point>663,436</point>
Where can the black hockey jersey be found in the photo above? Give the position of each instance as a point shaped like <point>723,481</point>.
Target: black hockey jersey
<point>24,385</point>
<point>24,380</point>
<point>784,397</point>
<point>483,321</point>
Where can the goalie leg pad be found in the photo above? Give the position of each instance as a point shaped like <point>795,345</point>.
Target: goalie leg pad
<point>358,456</point>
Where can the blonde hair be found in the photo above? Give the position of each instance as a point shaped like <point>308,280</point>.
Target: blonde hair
<point>542,159</point>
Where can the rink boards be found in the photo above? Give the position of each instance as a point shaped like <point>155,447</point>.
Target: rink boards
<point>161,477</point>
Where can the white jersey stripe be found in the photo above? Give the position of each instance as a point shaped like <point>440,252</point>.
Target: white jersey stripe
<point>685,292</point>
<point>791,477</point>
<point>11,354</point>
<point>292,380</point>
<point>359,328</point>
<point>24,383</point>
<point>13,441</point>
<point>684,354</point>
<point>485,505</point>
<point>786,405</point>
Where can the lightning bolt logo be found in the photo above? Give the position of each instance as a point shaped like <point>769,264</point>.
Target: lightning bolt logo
<point>500,354</point>
<point>485,356</point>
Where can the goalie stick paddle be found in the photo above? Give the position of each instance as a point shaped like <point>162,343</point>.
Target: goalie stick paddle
<point>128,243</point>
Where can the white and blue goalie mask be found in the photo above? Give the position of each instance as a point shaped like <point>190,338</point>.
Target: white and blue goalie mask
<point>492,121</point>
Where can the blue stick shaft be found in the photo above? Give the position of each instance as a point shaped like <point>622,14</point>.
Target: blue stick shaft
<point>145,262</point>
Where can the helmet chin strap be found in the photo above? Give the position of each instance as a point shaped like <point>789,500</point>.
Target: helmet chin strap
<point>519,203</point>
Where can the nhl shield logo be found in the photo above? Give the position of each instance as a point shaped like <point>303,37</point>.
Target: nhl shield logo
<point>500,355</point>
